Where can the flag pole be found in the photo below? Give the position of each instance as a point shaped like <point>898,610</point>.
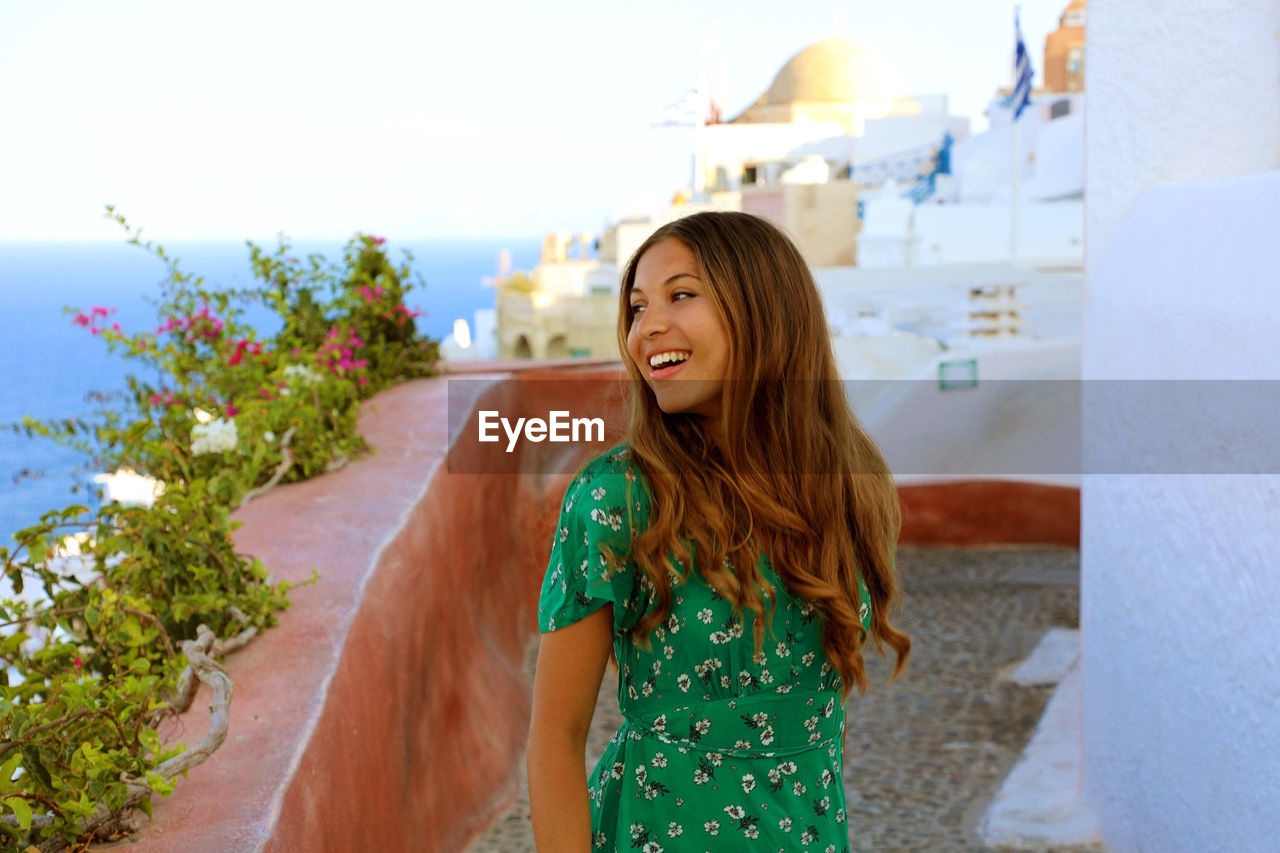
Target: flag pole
<point>1013,194</point>
<point>1014,153</point>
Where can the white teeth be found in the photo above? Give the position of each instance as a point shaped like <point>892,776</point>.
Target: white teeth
<point>665,357</point>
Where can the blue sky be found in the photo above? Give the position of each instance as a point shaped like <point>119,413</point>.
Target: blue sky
<point>234,120</point>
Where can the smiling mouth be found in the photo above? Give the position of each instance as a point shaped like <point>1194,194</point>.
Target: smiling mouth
<point>667,363</point>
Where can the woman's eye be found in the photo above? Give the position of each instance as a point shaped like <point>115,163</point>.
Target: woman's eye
<point>636,309</point>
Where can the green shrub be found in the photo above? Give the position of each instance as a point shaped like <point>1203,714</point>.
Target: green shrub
<point>88,672</point>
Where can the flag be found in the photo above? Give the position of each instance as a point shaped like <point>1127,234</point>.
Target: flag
<point>691,108</point>
<point>1022,74</point>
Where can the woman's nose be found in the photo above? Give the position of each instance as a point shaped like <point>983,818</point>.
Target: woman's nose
<point>652,321</point>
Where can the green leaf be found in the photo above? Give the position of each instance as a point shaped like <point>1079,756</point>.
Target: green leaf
<point>81,807</point>
<point>92,616</point>
<point>10,767</point>
<point>21,809</point>
<point>35,767</point>
<point>37,549</point>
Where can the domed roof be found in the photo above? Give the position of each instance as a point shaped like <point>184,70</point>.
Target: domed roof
<point>837,70</point>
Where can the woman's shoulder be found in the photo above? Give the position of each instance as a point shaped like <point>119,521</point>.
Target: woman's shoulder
<point>610,484</point>
<point>615,467</point>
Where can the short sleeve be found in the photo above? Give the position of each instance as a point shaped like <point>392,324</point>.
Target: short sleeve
<point>601,511</point>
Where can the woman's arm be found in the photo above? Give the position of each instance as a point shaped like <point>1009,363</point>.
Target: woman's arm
<point>566,685</point>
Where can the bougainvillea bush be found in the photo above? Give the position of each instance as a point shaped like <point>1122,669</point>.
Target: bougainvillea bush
<point>111,609</point>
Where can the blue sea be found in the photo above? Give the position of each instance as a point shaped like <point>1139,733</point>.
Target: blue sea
<point>50,365</point>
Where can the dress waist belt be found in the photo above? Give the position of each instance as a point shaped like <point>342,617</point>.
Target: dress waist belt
<point>766,725</point>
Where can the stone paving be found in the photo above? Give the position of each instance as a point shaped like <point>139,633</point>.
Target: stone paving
<point>925,754</point>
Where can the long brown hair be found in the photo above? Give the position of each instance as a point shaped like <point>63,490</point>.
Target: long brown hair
<point>826,515</point>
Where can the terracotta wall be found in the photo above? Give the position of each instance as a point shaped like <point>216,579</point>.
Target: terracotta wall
<point>388,710</point>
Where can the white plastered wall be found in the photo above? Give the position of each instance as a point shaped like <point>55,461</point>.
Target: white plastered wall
<point>1180,599</point>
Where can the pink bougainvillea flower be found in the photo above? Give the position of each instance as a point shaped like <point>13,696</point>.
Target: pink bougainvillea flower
<point>78,662</point>
<point>377,241</point>
<point>82,319</point>
<point>93,330</point>
<point>115,327</point>
<point>100,311</point>
<point>238,355</point>
<point>363,380</point>
<point>232,411</point>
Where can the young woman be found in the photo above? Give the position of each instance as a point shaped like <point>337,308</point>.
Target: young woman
<point>733,556</point>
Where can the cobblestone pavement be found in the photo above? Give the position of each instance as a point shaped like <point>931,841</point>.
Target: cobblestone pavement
<point>925,754</point>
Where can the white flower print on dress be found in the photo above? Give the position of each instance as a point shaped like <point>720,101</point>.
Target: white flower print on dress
<point>748,783</point>
<point>675,830</point>
<point>610,518</point>
<point>711,827</point>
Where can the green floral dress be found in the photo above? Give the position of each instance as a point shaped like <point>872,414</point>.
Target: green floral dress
<point>720,748</point>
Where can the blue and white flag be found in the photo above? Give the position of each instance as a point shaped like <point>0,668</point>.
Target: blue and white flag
<point>1022,74</point>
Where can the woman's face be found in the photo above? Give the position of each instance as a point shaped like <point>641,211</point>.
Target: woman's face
<point>675,323</point>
